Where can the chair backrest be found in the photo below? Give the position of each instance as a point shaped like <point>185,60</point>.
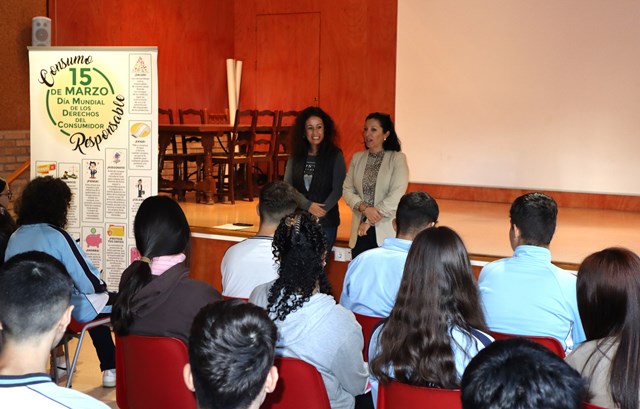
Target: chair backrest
<point>168,113</point>
<point>243,139</point>
<point>549,342</point>
<point>396,395</point>
<point>265,134</point>
<point>149,373</point>
<point>283,130</point>
<point>300,386</point>
<point>367,323</point>
<point>218,117</point>
<point>192,116</point>
<point>587,405</point>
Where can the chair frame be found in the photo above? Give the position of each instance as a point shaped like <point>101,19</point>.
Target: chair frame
<point>549,342</point>
<point>260,156</point>
<point>367,323</point>
<point>403,396</point>
<point>284,141</point>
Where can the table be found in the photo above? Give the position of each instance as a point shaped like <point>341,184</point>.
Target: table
<point>207,132</point>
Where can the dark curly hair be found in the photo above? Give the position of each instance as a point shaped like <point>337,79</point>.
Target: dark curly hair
<point>300,249</point>
<point>44,200</point>
<point>301,144</point>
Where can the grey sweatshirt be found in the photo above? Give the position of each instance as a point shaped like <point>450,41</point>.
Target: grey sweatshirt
<point>327,336</point>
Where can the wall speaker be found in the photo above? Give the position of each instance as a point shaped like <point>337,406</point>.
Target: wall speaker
<point>41,31</point>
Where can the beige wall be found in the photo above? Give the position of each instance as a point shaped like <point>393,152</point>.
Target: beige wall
<point>533,94</point>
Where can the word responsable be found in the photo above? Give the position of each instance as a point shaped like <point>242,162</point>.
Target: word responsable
<point>81,101</point>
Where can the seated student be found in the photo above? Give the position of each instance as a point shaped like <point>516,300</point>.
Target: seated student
<point>231,351</point>
<point>42,215</point>
<point>526,294</point>
<point>35,293</point>
<point>436,325</point>
<point>372,279</point>
<point>250,263</point>
<point>310,324</point>
<point>608,299</point>
<point>520,374</point>
<point>157,297</point>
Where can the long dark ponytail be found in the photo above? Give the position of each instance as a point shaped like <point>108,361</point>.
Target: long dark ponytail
<point>160,229</point>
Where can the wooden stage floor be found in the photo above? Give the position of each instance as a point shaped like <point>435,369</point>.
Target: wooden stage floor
<point>484,227</point>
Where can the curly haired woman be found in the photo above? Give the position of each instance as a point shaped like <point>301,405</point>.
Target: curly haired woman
<point>311,326</point>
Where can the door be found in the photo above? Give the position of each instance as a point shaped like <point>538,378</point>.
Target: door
<point>288,61</point>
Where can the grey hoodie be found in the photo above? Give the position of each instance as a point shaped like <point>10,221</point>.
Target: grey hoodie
<point>327,336</point>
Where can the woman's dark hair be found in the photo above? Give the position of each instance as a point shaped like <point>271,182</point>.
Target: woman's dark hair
<point>7,227</point>
<point>44,200</point>
<point>300,250</point>
<point>438,291</point>
<point>608,292</point>
<point>160,229</point>
<point>301,144</point>
<point>391,143</point>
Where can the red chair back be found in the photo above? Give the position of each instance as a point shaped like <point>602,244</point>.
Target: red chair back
<point>300,385</point>
<point>367,323</point>
<point>587,405</point>
<point>149,373</point>
<point>396,395</point>
<point>549,342</point>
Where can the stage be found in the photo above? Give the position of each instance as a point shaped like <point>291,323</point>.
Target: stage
<point>483,226</point>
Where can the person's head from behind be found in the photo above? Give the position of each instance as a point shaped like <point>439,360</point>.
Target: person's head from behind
<point>437,291</point>
<point>277,199</point>
<point>520,374</point>
<point>380,132</point>
<point>300,249</point>
<point>231,353</point>
<point>44,200</point>
<point>416,211</point>
<point>160,229</point>
<point>35,294</point>
<point>533,220</point>
<point>313,129</point>
<point>608,290</point>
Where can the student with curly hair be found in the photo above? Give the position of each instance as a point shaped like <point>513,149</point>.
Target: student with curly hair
<point>42,216</point>
<point>436,325</point>
<point>311,326</point>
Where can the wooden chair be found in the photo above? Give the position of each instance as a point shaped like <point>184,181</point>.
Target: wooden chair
<point>166,177</point>
<point>300,386</point>
<point>283,147</point>
<point>549,342</point>
<point>236,157</point>
<point>149,373</point>
<point>264,143</point>
<point>396,395</point>
<point>367,323</point>
<point>218,117</point>
<point>192,151</point>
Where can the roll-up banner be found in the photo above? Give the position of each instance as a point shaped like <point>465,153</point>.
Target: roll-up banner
<point>94,124</point>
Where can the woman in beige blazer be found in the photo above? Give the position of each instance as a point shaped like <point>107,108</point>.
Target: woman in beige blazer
<point>376,180</point>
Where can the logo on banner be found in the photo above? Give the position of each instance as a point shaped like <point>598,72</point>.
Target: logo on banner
<point>81,102</point>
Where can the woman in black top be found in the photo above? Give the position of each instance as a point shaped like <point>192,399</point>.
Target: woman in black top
<point>316,168</point>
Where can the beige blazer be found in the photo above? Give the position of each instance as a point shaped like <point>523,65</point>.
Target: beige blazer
<point>391,184</point>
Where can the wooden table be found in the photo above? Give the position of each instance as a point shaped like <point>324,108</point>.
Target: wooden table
<point>207,132</point>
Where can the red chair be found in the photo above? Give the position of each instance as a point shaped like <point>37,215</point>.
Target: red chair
<point>149,373</point>
<point>587,405</point>
<point>549,342</point>
<point>367,323</point>
<point>396,395</point>
<point>300,386</point>
<point>76,330</point>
